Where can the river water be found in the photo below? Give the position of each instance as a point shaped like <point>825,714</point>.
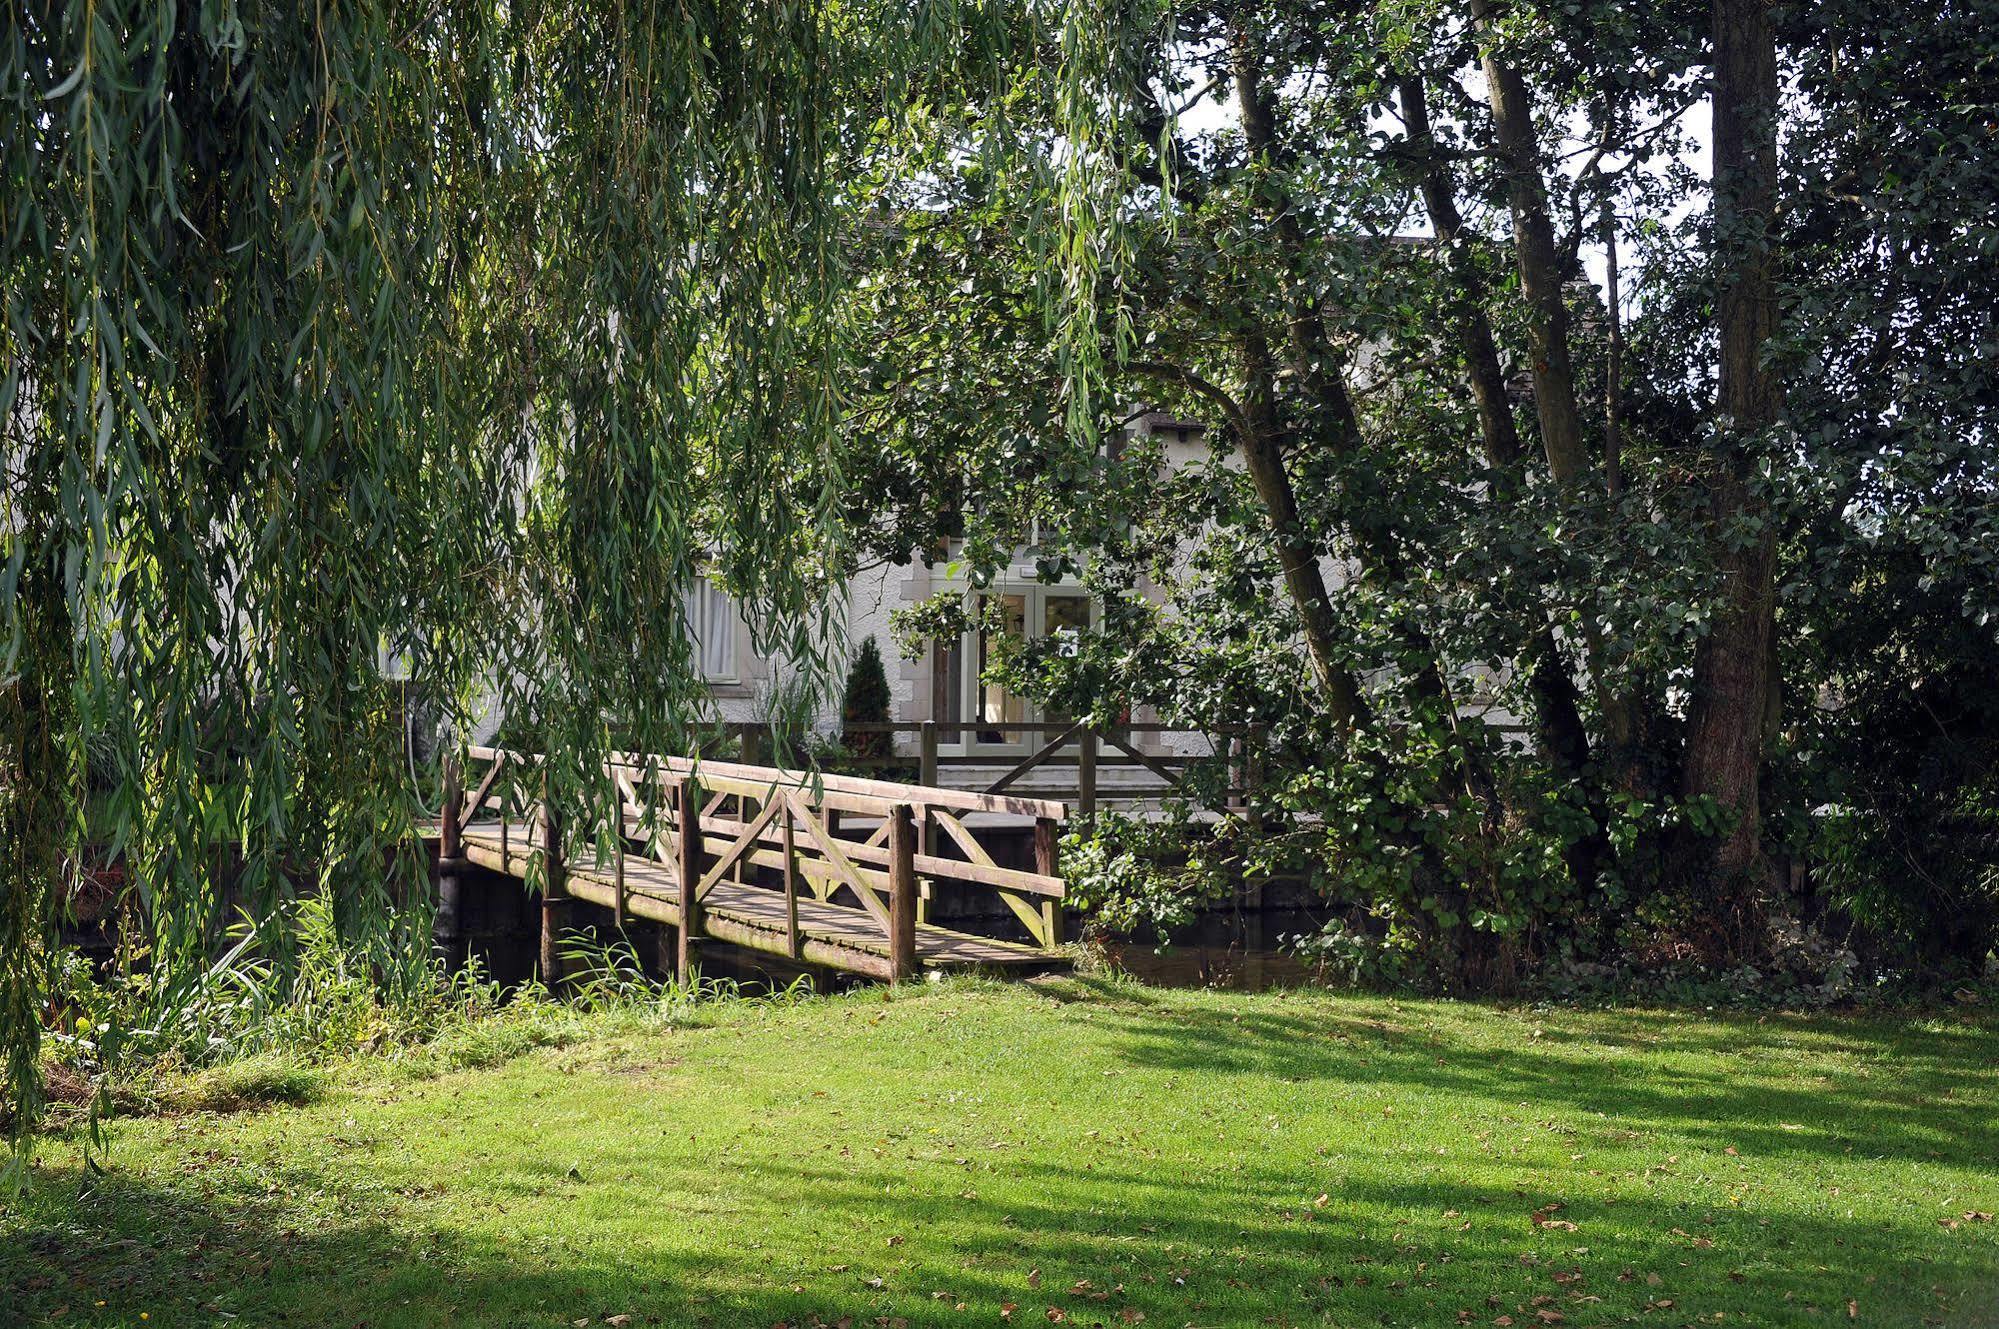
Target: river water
<point>1243,950</point>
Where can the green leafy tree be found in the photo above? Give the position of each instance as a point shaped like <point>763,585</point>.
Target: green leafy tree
<point>1516,414</point>
<point>462,335</point>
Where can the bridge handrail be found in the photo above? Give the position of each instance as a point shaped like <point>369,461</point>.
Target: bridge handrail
<point>877,791</point>
<point>883,791</point>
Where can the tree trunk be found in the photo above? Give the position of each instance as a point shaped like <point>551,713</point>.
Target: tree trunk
<point>1297,554</point>
<point>1732,673</point>
<point>1259,430</point>
<point>1557,704</point>
<point>1538,261</point>
<point>1316,365</point>
<point>1265,435</point>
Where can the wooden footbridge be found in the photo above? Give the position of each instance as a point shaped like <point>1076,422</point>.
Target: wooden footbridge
<point>823,870</point>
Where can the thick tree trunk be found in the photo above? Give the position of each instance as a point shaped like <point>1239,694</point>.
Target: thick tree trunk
<point>1538,260</point>
<point>1539,263</point>
<point>1557,704</point>
<point>1732,681</point>
<point>1297,554</point>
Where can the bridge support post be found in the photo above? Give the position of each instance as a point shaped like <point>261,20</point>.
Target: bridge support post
<point>687,806</point>
<point>447,923</point>
<point>927,755</point>
<point>926,825</point>
<point>1045,863</point>
<point>1086,773</point>
<point>554,891</point>
<point>901,893</point>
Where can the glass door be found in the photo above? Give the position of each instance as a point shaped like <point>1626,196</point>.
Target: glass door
<point>993,704</point>
<point>1030,613</point>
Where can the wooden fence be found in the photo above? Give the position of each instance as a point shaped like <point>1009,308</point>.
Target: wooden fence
<point>1074,753</point>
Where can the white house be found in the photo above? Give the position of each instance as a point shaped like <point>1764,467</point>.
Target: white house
<point>945,684</point>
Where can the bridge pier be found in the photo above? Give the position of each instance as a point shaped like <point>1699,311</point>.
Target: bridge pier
<point>554,893</point>
<point>688,807</point>
<point>901,893</point>
<point>447,926</point>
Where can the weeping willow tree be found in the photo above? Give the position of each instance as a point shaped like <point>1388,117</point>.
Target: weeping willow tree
<point>463,334</point>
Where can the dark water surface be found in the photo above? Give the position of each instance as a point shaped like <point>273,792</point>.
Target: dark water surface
<point>1242,950</point>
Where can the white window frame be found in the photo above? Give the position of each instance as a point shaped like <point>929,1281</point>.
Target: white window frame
<point>1035,596</point>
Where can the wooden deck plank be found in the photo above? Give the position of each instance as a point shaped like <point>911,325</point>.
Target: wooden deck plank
<point>752,916</point>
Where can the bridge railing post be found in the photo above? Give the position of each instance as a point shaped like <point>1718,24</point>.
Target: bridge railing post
<point>791,939</point>
<point>901,893</point>
<point>1045,863</point>
<point>927,758</point>
<point>554,888</point>
<point>926,824</point>
<point>687,803</point>
<point>1086,772</point>
<point>445,926</point>
<point>507,794</point>
<point>620,911</point>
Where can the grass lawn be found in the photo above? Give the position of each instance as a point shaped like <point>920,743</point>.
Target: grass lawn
<point>1078,1152</point>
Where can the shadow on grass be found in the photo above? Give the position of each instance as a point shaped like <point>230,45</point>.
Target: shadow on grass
<point>1102,1245</point>
<point>1736,1081</point>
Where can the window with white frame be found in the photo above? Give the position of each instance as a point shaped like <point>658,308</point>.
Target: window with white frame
<point>960,691</point>
<point>711,619</point>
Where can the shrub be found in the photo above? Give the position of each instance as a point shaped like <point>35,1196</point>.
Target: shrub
<point>867,702</point>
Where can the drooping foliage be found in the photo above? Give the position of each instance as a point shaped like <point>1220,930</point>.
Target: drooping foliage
<point>346,342</point>
<point>1478,537</point>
